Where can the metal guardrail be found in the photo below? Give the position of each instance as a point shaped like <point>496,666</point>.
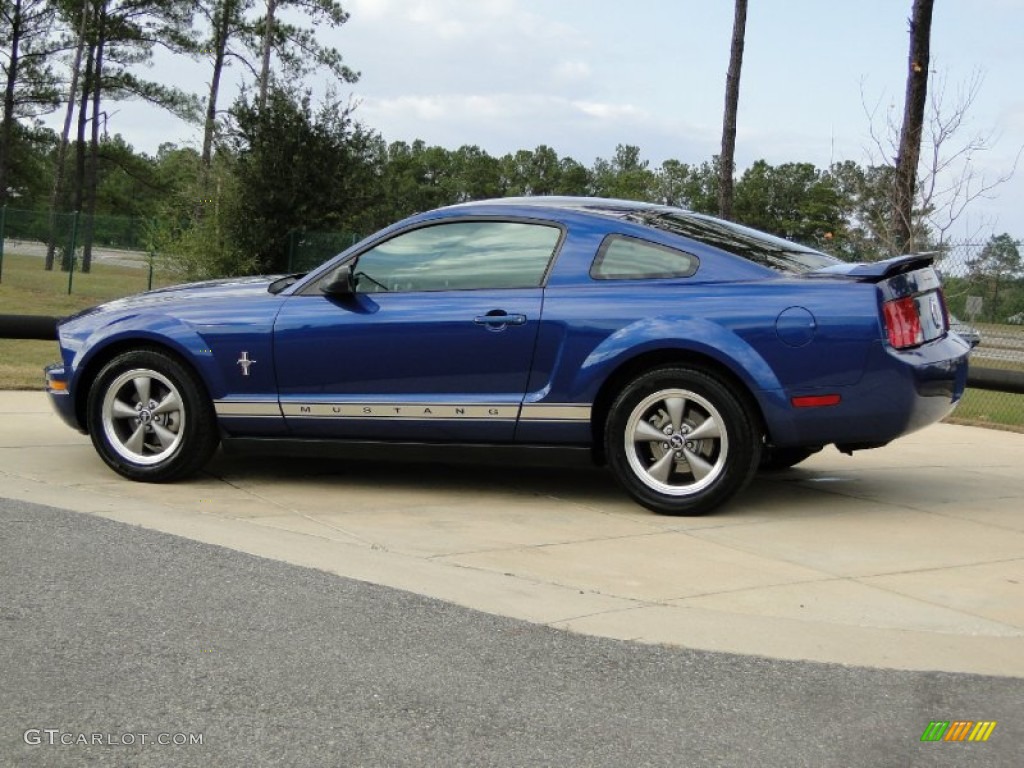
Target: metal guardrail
<point>44,328</point>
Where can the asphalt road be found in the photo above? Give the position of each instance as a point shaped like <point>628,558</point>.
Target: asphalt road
<point>118,256</point>
<point>117,631</point>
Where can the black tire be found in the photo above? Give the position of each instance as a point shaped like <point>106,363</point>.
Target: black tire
<point>693,475</point>
<point>150,418</point>
<point>779,459</point>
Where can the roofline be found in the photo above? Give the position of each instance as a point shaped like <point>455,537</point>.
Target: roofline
<point>596,204</point>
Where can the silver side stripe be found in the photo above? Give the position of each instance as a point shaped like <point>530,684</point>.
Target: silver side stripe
<point>400,411</point>
<point>555,412</point>
<point>547,412</point>
<point>259,409</point>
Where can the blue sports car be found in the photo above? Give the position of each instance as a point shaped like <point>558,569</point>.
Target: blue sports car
<point>683,351</point>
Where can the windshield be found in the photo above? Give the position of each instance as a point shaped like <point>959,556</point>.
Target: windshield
<point>758,247</point>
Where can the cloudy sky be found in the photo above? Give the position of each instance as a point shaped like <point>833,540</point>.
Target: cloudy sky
<point>585,75</point>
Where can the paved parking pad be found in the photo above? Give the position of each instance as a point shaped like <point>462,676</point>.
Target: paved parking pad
<point>908,557</point>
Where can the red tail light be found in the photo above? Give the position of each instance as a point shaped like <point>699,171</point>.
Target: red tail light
<point>903,323</point>
<point>815,401</point>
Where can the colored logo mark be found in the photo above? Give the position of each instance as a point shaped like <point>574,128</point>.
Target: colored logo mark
<point>958,730</point>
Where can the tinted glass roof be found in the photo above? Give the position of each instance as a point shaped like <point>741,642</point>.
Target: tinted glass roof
<point>751,244</point>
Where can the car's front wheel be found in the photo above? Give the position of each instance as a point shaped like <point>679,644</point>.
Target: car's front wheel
<point>149,417</point>
<point>680,441</point>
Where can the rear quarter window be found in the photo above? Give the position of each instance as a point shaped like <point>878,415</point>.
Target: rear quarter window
<point>750,244</point>
<point>627,258</point>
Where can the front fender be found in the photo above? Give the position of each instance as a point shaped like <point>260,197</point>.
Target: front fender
<point>160,330</point>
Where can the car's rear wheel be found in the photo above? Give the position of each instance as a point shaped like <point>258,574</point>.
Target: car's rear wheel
<point>149,417</point>
<point>680,441</point>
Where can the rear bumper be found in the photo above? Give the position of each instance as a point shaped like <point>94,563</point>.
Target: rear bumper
<point>900,392</point>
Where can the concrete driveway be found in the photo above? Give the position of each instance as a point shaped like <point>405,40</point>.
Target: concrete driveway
<point>908,557</point>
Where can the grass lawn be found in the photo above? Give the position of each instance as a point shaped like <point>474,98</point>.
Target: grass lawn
<point>27,289</point>
<point>982,408</point>
<point>21,362</point>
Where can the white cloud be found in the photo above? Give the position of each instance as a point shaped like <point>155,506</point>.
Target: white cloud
<point>571,71</point>
<point>609,111</point>
<point>435,20</point>
<point>1011,118</point>
<point>417,107</point>
<point>485,21</point>
<point>508,121</point>
<point>451,46</point>
<point>370,9</point>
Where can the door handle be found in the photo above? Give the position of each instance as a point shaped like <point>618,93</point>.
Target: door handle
<point>498,319</point>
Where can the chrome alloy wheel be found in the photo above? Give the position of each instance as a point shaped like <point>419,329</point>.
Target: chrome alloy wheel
<point>676,443</point>
<point>142,416</point>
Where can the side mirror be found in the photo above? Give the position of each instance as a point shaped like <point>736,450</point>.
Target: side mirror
<point>339,282</point>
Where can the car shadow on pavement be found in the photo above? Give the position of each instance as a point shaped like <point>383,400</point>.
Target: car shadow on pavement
<point>426,475</point>
<point>794,491</point>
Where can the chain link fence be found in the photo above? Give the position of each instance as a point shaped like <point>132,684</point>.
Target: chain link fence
<point>96,256</point>
<point>307,250</point>
<point>984,288</point>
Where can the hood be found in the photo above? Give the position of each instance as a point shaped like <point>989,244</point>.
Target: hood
<point>226,287</point>
<point>233,288</point>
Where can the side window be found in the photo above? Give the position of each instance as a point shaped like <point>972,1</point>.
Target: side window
<point>462,255</point>
<point>625,258</point>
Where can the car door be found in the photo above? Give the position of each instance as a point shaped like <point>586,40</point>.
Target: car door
<point>433,342</point>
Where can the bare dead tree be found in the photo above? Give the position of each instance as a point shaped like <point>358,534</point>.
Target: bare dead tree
<point>268,46</point>
<point>224,13</point>
<point>62,148</point>
<point>950,173</point>
<point>92,160</point>
<point>727,160</point>
<point>905,182</point>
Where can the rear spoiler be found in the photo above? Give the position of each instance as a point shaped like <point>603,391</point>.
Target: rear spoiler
<point>876,271</point>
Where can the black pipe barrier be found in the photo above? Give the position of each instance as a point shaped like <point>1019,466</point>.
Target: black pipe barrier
<point>28,327</point>
<point>996,380</point>
<point>45,329</point>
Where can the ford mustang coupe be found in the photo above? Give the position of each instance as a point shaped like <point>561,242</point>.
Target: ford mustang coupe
<point>683,351</point>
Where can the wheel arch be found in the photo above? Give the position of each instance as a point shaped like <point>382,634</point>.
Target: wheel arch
<point>92,366</point>
<point>650,360</point>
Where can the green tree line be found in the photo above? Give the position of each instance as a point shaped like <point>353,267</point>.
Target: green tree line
<point>84,54</point>
<point>276,161</point>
